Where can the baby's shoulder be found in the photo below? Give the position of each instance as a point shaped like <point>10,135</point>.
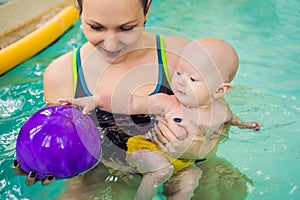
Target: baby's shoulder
<point>215,116</point>
<point>223,114</point>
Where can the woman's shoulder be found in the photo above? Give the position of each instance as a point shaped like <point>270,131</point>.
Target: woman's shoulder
<point>59,68</point>
<point>60,63</point>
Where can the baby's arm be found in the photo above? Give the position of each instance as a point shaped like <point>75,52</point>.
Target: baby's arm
<point>236,121</point>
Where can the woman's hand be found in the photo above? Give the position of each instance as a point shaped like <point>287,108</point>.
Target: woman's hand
<point>86,103</point>
<point>31,178</point>
<point>188,148</point>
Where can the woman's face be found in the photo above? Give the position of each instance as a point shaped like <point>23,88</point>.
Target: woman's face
<point>113,26</point>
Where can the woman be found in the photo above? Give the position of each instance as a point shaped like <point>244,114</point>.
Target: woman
<point>117,45</point>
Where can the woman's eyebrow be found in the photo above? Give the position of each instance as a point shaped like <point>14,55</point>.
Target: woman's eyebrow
<point>97,23</point>
<point>90,21</point>
<point>125,23</point>
<point>129,22</point>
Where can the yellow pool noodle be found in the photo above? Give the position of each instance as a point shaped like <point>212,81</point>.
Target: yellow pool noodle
<point>37,40</point>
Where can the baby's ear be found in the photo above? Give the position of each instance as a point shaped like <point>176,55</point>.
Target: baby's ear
<point>221,90</point>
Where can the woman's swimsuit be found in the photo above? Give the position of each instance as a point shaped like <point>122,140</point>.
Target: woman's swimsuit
<point>116,129</point>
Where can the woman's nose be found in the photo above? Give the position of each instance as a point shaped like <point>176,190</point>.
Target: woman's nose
<point>110,42</point>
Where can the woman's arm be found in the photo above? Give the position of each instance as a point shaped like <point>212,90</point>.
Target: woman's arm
<point>156,104</point>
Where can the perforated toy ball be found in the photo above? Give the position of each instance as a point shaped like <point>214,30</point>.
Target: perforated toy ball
<point>58,141</point>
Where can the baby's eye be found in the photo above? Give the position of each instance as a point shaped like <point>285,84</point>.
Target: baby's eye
<point>194,79</point>
<point>178,73</point>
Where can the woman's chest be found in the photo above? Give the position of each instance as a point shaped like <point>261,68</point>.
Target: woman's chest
<point>139,80</point>
<point>138,75</point>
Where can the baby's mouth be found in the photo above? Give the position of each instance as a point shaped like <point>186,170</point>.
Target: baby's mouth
<point>180,92</point>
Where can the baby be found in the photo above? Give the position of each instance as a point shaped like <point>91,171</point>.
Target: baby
<point>201,79</point>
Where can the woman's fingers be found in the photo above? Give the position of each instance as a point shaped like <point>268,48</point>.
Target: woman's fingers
<point>71,101</point>
<point>158,139</point>
<point>166,140</point>
<point>86,103</point>
<point>48,180</point>
<point>31,179</point>
<point>164,133</point>
<point>159,134</point>
<point>17,169</point>
<point>65,101</point>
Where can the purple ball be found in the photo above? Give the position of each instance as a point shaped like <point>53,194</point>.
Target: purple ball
<point>58,141</point>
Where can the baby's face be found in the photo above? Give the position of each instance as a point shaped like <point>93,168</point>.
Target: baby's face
<point>189,86</point>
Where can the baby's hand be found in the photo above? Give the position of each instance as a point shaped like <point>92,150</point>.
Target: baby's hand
<point>235,121</point>
<point>86,103</point>
<point>250,125</point>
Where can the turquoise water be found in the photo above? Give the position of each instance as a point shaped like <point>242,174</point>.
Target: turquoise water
<point>4,1</point>
<point>248,165</point>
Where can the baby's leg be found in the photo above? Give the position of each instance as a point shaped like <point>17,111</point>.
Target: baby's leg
<point>183,183</point>
<point>156,169</point>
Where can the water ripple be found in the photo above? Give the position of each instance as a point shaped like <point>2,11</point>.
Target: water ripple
<point>9,106</point>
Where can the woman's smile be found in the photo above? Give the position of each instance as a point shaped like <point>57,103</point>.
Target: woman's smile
<point>111,54</point>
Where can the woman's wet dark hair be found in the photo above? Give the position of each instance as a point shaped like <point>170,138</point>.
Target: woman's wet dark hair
<point>144,4</point>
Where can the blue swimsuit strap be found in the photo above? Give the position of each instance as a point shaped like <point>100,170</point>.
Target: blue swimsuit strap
<point>163,74</point>
<point>160,67</point>
<point>80,73</point>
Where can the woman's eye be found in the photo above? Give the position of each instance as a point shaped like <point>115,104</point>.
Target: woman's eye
<point>126,28</point>
<point>97,28</point>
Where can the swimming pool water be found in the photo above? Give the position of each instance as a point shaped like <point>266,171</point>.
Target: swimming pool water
<point>248,165</point>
